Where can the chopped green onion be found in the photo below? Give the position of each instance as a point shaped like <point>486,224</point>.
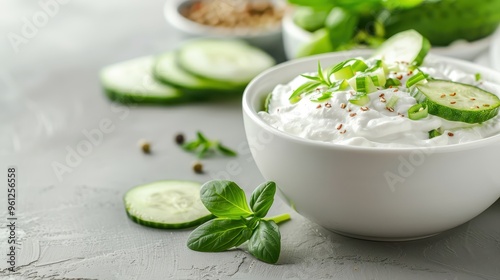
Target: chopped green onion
<point>392,102</point>
<point>434,133</point>
<point>392,83</point>
<point>321,76</point>
<point>343,85</point>
<point>378,64</point>
<point>362,84</point>
<point>359,65</point>
<point>323,97</point>
<point>420,76</point>
<point>338,85</point>
<point>360,99</point>
<point>337,67</point>
<point>378,77</point>
<point>305,88</point>
<point>312,78</point>
<point>344,73</point>
<point>418,111</point>
<point>478,77</point>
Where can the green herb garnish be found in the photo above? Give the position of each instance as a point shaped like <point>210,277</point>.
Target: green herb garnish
<point>478,77</point>
<point>417,78</point>
<point>435,133</point>
<point>205,147</point>
<point>392,83</point>
<point>418,111</point>
<point>237,222</point>
<point>316,81</point>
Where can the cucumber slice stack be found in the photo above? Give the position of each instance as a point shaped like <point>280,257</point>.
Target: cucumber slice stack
<point>167,204</point>
<point>456,101</point>
<point>132,82</point>
<point>230,62</point>
<point>201,69</point>
<point>167,71</point>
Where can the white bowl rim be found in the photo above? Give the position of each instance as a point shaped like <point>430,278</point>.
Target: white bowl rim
<point>176,19</point>
<point>248,109</point>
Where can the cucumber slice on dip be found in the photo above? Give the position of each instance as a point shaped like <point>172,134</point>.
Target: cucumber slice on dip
<point>456,101</point>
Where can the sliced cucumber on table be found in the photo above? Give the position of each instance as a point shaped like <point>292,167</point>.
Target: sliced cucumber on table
<point>167,204</point>
<point>132,81</point>
<point>226,61</point>
<point>167,70</point>
<point>456,101</point>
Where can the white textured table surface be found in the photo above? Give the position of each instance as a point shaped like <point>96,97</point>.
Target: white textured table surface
<point>77,227</point>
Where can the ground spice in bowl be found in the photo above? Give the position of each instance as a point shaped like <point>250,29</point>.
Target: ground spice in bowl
<point>238,14</point>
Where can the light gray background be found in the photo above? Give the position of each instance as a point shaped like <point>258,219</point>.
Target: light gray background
<point>77,227</point>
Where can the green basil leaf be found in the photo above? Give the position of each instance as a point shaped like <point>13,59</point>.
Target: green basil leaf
<point>225,150</point>
<point>313,78</point>
<point>225,199</point>
<point>219,235</point>
<point>262,198</point>
<point>265,243</point>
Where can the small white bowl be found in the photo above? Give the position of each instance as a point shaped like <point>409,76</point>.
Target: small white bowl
<point>294,37</point>
<point>345,188</point>
<point>266,39</point>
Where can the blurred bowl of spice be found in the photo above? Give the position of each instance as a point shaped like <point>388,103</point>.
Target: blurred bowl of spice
<point>255,21</point>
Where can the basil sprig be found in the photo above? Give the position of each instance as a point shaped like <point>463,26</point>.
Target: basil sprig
<point>238,222</point>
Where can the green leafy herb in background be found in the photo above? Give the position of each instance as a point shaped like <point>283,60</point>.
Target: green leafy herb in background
<point>344,24</point>
<point>204,147</point>
<point>238,222</point>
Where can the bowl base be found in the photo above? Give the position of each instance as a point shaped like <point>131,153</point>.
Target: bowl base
<point>382,239</point>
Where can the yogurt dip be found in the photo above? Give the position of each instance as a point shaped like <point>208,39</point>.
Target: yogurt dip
<point>336,120</point>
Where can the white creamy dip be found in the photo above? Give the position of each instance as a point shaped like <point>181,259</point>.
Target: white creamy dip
<point>373,125</point>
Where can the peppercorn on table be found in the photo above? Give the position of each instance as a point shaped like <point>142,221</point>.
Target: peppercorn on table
<point>75,154</point>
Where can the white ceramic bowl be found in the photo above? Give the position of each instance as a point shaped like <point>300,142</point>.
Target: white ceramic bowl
<point>294,37</point>
<point>345,188</point>
<point>267,39</point>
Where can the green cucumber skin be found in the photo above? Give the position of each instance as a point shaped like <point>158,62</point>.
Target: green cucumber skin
<point>198,93</point>
<point>158,225</point>
<point>459,115</point>
<point>445,21</point>
<point>201,93</point>
<point>170,226</point>
<point>228,84</point>
<point>133,98</point>
<point>454,114</point>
